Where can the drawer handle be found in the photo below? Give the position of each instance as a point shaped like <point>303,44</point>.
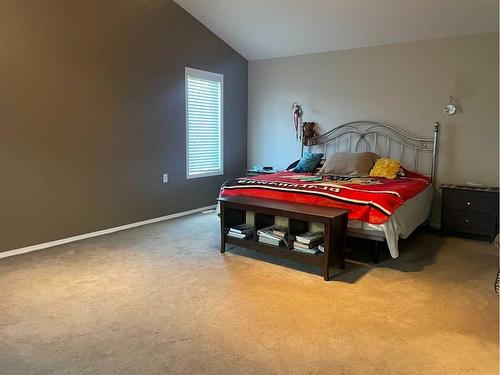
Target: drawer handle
<point>466,220</point>
<point>468,203</point>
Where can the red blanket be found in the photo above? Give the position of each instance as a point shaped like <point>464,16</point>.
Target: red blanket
<point>371,200</point>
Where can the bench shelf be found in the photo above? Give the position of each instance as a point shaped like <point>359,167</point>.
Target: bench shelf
<point>233,212</point>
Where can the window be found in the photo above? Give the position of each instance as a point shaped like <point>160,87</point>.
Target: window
<point>204,144</point>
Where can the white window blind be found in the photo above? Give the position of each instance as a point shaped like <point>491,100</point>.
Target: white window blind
<point>204,99</point>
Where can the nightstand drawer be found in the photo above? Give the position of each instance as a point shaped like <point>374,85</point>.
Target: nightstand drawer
<point>470,201</point>
<point>469,222</point>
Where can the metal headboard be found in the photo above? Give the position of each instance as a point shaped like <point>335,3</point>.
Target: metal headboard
<point>384,140</point>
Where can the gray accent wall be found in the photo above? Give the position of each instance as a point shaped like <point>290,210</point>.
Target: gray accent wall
<point>406,85</point>
<point>92,105</point>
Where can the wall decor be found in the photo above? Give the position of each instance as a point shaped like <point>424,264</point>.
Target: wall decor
<point>297,119</point>
<point>451,108</point>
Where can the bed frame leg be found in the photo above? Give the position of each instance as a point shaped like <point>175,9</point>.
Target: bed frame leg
<point>376,253</point>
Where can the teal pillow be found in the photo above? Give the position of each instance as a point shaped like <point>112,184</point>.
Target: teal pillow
<point>308,163</point>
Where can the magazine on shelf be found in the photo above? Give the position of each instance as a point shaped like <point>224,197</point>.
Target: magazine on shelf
<point>242,228</point>
<point>309,237</point>
<point>247,232</point>
<point>273,230</point>
<point>280,231</point>
<point>310,245</point>
<point>307,251</point>
<point>270,241</point>
<point>268,232</point>
<point>239,235</point>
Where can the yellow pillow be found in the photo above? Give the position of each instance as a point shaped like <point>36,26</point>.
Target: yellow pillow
<point>385,168</point>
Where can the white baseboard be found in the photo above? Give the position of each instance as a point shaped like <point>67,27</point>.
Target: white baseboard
<point>62,241</point>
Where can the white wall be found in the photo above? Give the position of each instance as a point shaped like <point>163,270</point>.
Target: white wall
<point>406,85</point>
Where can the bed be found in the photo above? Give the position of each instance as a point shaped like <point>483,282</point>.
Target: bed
<point>382,210</point>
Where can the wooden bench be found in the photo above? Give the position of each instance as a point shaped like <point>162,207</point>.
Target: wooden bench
<point>233,212</point>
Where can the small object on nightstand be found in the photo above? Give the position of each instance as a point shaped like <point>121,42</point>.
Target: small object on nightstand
<point>470,211</point>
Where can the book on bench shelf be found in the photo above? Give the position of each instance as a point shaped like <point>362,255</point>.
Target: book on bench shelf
<point>241,231</point>
<point>308,242</point>
<point>273,235</point>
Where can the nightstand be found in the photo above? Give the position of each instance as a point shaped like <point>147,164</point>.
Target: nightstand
<point>470,211</point>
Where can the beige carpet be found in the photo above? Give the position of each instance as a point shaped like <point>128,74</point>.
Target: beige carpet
<point>161,300</point>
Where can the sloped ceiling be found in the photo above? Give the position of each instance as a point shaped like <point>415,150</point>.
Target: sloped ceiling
<point>260,29</point>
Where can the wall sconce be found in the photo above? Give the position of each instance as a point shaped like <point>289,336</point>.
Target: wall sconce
<point>451,108</point>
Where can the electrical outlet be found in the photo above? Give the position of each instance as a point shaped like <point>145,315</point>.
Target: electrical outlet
<point>165,178</point>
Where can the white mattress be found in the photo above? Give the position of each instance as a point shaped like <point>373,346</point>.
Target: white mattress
<point>402,223</point>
